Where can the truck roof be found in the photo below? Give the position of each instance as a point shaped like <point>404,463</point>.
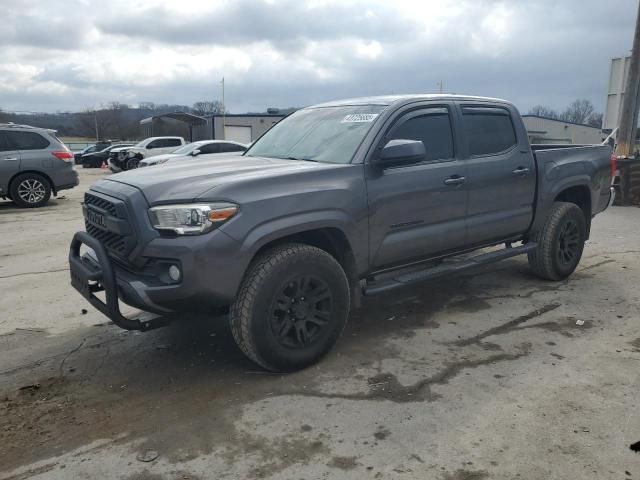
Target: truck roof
<point>391,99</point>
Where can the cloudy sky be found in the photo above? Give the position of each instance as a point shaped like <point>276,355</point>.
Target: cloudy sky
<point>73,54</point>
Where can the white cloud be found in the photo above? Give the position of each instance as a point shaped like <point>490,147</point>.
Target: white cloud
<point>70,54</point>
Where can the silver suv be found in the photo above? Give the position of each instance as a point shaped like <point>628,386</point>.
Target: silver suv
<point>34,163</point>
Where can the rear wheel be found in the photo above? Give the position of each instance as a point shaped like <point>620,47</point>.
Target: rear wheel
<point>291,308</point>
<point>560,242</point>
<point>30,190</point>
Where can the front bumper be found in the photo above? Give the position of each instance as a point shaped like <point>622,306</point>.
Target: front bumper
<point>90,277</point>
<point>211,267</point>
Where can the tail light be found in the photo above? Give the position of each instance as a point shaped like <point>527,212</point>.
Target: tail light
<point>63,155</point>
<point>614,166</point>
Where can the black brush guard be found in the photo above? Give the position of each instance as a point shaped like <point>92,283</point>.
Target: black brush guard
<point>89,278</point>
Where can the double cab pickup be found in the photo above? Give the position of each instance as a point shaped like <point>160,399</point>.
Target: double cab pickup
<point>336,202</point>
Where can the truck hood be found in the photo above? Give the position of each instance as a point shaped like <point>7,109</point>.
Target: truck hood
<point>189,180</point>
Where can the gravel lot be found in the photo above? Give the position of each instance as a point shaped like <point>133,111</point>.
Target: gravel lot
<point>487,376</point>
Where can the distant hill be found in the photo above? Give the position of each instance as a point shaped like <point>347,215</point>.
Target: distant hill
<point>116,121</point>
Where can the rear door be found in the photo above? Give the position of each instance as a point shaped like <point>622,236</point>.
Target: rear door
<point>418,211</point>
<point>500,172</point>
<point>170,144</point>
<point>9,161</point>
<point>34,153</point>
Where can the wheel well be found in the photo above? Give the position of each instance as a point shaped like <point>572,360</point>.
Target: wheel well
<point>581,196</point>
<point>335,243</point>
<point>53,188</point>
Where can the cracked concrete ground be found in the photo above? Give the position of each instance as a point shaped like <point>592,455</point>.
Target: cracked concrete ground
<point>485,376</point>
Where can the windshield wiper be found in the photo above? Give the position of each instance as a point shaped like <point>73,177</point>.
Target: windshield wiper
<point>302,159</point>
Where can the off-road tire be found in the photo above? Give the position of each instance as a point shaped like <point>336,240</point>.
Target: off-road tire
<point>269,274</point>
<point>545,261</point>
<point>20,183</point>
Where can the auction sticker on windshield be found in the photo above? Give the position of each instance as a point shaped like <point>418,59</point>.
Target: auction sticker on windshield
<point>359,118</point>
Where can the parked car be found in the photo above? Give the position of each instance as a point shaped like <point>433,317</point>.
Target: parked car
<point>96,147</point>
<point>128,158</point>
<point>34,164</point>
<point>200,158</point>
<point>336,201</point>
<point>190,150</point>
<point>96,159</point>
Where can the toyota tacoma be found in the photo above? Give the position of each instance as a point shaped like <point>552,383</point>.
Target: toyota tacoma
<point>335,202</point>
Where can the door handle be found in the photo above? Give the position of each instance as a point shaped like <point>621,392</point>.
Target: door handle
<point>521,171</point>
<point>10,159</point>
<point>455,180</point>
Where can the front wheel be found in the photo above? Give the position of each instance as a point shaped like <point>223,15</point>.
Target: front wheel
<point>560,242</point>
<point>291,307</point>
<point>132,163</point>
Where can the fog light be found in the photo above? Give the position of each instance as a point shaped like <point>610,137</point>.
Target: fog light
<point>174,273</point>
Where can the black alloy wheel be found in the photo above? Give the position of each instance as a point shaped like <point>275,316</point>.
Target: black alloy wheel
<point>301,311</point>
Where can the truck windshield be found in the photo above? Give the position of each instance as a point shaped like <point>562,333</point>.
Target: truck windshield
<point>323,134</point>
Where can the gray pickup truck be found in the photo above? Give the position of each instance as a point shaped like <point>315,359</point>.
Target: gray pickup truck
<point>336,201</point>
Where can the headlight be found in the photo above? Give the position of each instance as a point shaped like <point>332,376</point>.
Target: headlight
<point>191,219</point>
<point>159,162</point>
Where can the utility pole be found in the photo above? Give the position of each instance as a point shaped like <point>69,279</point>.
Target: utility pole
<point>224,113</point>
<point>441,85</point>
<point>95,121</point>
<point>629,117</point>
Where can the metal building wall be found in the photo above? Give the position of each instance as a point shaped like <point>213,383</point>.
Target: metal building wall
<point>258,123</point>
<point>546,130</point>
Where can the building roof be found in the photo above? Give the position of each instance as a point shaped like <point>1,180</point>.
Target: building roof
<point>182,116</point>
<point>560,121</point>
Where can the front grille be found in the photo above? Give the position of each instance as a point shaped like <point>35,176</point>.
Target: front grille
<point>100,203</point>
<point>114,242</point>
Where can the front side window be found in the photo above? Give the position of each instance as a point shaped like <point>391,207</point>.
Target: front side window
<point>4,143</point>
<point>232,147</point>
<point>210,148</point>
<point>433,128</point>
<point>488,130</point>
<point>155,144</point>
<point>26,140</point>
<point>323,134</point>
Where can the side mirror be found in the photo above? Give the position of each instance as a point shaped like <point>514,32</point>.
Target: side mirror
<point>400,151</point>
<point>195,153</point>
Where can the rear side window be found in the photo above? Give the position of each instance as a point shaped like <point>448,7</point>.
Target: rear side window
<point>25,141</point>
<point>433,128</point>
<point>488,130</point>
<point>173,142</point>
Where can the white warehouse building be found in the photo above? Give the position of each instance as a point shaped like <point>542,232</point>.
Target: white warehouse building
<point>549,130</point>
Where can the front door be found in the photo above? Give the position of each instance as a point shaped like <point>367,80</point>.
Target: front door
<point>9,161</point>
<point>501,175</point>
<point>418,211</point>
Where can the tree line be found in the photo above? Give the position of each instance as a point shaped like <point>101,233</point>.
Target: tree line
<point>113,120</point>
<point>579,111</point>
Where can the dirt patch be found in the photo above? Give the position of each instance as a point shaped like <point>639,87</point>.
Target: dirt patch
<point>343,463</point>
<point>466,475</point>
<point>469,304</point>
<point>382,433</point>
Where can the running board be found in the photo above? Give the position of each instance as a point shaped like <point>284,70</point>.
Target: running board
<point>375,287</point>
